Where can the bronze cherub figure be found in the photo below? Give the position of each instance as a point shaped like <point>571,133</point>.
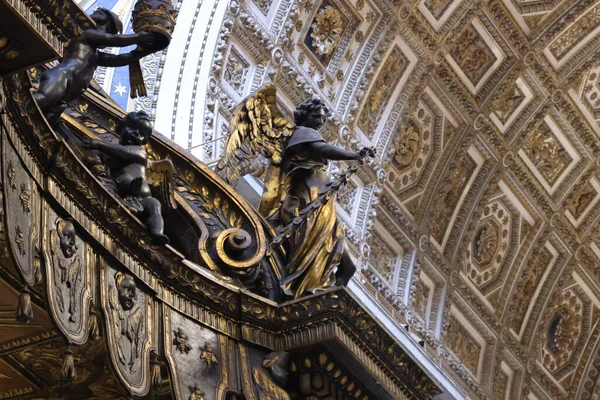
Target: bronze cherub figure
<point>69,79</point>
<point>127,163</point>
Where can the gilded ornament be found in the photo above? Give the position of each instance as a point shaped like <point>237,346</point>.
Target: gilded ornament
<point>563,331</point>
<point>407,144</point>
<point>327,30</point>
<point>180,341</point>
<point>472,54</point>
<point>359,36</point>
<point>462,344</point>
<point>527,285</point>
<point>25,198</point>
<point>208,355</point>
<point>581,200</point>
<point>236,70</point>
<point>381,91</point>
<point>196,393</point>
<point>270,384</point>
<point>546,153</point>
<point>485,244</point>
<point>12,176</point>
<point>20,240</point>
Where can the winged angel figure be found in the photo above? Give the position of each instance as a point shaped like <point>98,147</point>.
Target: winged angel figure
<point>316,257</point>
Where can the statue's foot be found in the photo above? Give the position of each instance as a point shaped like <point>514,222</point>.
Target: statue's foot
<point>159,238</point>
<point>135,187</point>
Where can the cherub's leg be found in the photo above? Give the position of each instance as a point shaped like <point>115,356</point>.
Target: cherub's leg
<point>135,187</point>
<point>52,89</point>
<point>154,220</point>
<point>124,184</point>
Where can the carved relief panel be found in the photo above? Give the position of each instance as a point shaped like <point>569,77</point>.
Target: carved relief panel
<point>129,315</point>
<point>194,357</point>
<point>22,203</point>
<point>69,281</point>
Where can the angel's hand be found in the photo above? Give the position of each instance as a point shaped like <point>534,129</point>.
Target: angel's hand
<point>365,152</point>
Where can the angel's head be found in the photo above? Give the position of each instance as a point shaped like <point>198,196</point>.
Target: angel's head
<point>66,236</point>
<point>126,289</point>
<point>135,129</point>
<point>311,113</point>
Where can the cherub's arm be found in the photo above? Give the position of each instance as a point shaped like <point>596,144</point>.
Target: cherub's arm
<point>131,154</point>
<point>120,60</point>
<point>331,152</point>
<point>102,39</point>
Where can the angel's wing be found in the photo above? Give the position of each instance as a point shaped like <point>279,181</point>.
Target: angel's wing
<point>257,129</point>
<point>160,177</point>
<point>267,389</point>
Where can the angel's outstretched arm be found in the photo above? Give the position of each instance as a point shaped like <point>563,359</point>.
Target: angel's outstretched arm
<point>329,151</point>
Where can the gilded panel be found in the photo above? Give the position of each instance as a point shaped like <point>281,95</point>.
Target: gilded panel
<point>461,342</point>
<point>449,196</point>
<point>381,91</point>
<point>473,54</point>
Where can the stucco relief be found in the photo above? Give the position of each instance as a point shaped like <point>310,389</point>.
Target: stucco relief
<point>502,86</point>
<point>381,91</point>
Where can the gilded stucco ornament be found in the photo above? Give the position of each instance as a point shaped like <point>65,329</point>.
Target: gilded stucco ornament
<point>208,356</point>
<point>327,30</point>
<point>180,341</point>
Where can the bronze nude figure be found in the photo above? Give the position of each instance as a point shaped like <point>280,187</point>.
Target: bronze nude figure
<point>71,77</point>
<point>127,163</point>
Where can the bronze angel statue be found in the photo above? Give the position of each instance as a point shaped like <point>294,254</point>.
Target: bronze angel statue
<point>297,174</point>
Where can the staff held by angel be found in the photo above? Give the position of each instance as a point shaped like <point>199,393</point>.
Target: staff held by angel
<point>299,155</point>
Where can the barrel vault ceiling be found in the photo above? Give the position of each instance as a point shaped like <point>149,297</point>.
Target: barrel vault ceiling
<point>477,224</point>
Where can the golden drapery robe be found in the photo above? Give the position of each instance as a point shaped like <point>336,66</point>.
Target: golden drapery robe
<point>316,247</point>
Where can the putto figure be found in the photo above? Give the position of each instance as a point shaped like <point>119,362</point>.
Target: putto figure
<point>129,324</point>
<point>67,266</point>
<point>69,79</point>
<point>299,155</point>
<point>127,163</point>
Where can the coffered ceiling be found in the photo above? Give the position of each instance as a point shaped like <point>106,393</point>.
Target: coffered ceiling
<point>476,226</point>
